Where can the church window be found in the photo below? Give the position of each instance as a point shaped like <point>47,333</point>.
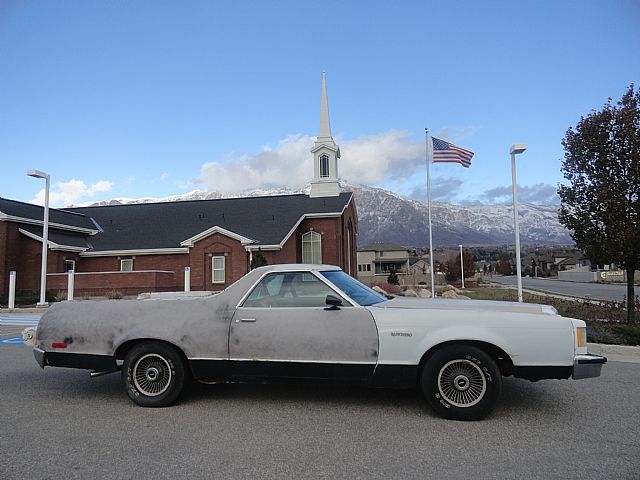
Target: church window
<point>311,248</point>
<point>217,269</point>
<point>324,165</point>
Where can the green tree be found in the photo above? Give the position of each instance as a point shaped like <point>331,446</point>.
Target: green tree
<point>601,204</point>
<point>258,259</point>
<point>392,279</point>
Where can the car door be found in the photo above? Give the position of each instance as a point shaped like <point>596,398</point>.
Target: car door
<point>284,328</point>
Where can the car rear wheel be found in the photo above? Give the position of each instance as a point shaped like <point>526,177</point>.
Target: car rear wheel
<point>461,382</point>
<point>153,374</point>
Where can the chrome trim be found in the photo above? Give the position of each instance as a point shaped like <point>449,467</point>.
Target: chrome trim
<point>40,356</point>
<point>345,362</point>
<point>587,365</point>
<point>208,358</point>
<point>296,270</point>
<point>99,374</point>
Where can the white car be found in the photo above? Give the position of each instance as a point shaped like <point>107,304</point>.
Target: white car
<point>316,323</point>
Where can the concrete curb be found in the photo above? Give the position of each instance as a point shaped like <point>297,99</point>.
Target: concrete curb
<point>616,353</point>
<point>542,293</point>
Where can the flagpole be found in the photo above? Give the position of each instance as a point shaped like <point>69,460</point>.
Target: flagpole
<point>426,137</point>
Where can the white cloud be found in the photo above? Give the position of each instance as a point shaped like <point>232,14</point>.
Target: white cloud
<point>66,193</point>
<point>457,134</point>
<point>443,189</point>
<point>540,193</point>
<point>368,159</point>
<point>101,186</point>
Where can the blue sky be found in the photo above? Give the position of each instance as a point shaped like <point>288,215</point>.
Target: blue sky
<point>151,98</point>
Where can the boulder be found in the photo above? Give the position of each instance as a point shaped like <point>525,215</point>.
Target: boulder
<point>410,293</point>
<point>379,290</point>
<point>424,293</point>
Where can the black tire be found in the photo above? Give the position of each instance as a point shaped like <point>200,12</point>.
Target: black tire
<point>153,374</point>
<point>461,382</point>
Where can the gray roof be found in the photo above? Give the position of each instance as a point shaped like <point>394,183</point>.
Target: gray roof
<point>267,220</point>
<point>381,247</point>
<point>29,211</point>
<point>61,237</point>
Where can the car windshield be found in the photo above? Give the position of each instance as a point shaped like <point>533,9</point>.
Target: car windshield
<point>359,292</point>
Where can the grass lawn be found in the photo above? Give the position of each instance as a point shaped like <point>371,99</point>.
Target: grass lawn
<point>605,321</point>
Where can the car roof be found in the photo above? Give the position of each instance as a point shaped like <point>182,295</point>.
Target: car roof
<point>297,266</point>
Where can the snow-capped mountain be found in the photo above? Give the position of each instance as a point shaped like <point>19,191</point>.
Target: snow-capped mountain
<point>386,216</point>
<point>389,217</point>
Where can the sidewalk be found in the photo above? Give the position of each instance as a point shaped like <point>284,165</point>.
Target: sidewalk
<point>616,353</point>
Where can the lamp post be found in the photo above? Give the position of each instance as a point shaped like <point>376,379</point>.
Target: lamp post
<point>515,150</point>
<point>45,234</point>
<point>461,266</point>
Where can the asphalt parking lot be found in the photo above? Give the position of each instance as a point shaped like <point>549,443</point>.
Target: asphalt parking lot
<point>59,423</point>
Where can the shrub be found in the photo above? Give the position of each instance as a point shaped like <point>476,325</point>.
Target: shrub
<point>114,295</point>
<point>28,297</point>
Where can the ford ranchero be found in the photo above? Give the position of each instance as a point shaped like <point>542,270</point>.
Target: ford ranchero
<point>315,323</point>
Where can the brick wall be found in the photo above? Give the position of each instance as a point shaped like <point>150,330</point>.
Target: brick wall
<point>4,254</point>
<point>104,283</point>
<point>27,261</point>
<point>236,261</point>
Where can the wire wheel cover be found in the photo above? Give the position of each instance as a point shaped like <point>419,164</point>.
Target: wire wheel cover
<point>152,374</point>
<point>462,383</point>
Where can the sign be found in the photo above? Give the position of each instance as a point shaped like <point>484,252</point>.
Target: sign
<point>612,275</point>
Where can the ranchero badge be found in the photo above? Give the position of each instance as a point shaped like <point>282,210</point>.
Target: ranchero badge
<point>401,334</point>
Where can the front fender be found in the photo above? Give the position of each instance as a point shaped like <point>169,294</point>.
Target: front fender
<point>528,339</point>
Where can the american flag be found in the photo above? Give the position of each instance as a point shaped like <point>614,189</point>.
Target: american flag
<point>446,152</point>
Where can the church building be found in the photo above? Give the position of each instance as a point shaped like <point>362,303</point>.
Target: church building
<point>146,247</point>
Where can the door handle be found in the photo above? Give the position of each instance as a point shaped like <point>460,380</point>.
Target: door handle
<point>246,320</point>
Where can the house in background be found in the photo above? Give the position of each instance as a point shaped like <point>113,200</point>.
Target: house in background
<point>378,260</point>
<point>146,247</point>
<point>419,270</point>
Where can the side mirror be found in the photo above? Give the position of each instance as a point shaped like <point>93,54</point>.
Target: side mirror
<point>334,301</point>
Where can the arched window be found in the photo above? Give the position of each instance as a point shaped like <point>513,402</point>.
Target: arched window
<point>324,165</point>
<point>311,248</point>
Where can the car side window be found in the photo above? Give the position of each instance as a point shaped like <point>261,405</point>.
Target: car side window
<point>291,290</point>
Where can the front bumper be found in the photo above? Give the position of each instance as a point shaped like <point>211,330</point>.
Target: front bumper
<point>587,365</point>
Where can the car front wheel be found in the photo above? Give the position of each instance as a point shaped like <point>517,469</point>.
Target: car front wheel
<point>153,374</point>
<point>461,382</point>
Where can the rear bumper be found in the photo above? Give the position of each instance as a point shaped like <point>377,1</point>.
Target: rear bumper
<point>99,363</point>
<point>39,354</point>
<point>587,365</point>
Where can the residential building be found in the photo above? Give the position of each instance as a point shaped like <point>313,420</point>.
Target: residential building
<point>378,260</point>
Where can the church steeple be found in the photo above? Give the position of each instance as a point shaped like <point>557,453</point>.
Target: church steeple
<point>325,125</point>
<point>325,154</point>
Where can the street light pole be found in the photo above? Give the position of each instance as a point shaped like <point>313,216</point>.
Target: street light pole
<point>515,150</point>
<point>45,235</point>
<point>461,266</point>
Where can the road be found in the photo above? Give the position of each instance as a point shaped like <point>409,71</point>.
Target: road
<point>59,423</point>
<point>594,291</point>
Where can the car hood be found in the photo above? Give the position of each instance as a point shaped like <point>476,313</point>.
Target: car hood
<point>455,304</point>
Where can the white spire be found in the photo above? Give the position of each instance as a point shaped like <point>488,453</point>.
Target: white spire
<point>325,126</point>
<point>325,154</point>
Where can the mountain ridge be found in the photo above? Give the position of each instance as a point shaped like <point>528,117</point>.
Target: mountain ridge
<point>387,216</point>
